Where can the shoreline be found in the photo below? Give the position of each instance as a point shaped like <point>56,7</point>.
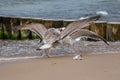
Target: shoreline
<point>92,67</point>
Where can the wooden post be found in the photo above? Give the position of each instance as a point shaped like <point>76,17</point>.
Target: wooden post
<point>7,27</point>
<point>66,22</point>
<point>57,23</point>
<point>25,20</point>
<point>1,32</point>
<point>37,20</point>
<point>15,33</point>
<point>113,31</point>
<point>99,27</point>
<point>47,23</point>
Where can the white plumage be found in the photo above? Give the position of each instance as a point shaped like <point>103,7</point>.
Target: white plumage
<point>45,46</point>
<point>78,57</point>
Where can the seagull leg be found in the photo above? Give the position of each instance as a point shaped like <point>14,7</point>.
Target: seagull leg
<point>78,55</point>
<point>47,51</point>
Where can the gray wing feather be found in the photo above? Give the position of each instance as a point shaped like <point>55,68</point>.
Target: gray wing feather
<point>78,24</point>
<point>38,29</point>
<point>86,33</point>
<point>41,31</point>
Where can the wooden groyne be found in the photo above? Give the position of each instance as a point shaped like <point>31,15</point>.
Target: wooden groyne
<point>109,30</point>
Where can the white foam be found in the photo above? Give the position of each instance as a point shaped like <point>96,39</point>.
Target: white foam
<point>83,18</point>
<point>103,13</point>
<point>18,58</point>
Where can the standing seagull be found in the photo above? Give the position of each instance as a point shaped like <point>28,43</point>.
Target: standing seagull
<point>73,30</point>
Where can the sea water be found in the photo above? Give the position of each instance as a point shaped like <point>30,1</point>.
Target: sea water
<point>61,9</point>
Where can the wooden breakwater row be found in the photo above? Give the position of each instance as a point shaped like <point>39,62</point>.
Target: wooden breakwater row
<point>109,30</point>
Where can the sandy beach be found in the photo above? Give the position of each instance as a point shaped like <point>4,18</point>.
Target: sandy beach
<point>92,67</point>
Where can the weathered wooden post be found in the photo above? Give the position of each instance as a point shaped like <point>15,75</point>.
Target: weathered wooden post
<point>7,29</point>
<point>57,23</point>
<point>113,31</point>
<point>1,32</point>
<point>37,20</point>
<point>99,27</point>
<point>47,23</point>
<point>66,22</point>
<point>14,23</point>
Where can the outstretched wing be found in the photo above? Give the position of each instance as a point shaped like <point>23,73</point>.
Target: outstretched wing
<point>38,29</point>
<point>86,33</point>
<point>78,24</point>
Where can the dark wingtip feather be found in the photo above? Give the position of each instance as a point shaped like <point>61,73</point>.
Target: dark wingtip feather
<point>105,40</point>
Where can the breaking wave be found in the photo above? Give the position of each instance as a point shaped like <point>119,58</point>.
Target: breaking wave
<point>102,13</point>
<point>18,58</point>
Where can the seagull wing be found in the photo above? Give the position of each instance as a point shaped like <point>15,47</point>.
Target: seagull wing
<point>78,24</point>
<point>38,29</point>
<point>86,33</point>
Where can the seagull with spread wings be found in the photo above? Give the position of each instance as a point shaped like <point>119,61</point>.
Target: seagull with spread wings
<point>52,37</point>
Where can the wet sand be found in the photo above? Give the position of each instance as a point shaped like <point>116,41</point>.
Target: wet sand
<point>93,67</point>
